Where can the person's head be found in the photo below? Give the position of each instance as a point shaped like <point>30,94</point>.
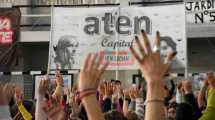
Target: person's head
<point>118,83</point>
<point>130,115</point>
<point>65,50</point>
<point>114,115</point>
<point>112,81</point>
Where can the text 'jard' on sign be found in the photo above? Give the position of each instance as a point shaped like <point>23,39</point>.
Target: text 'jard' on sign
<point>203,10</point>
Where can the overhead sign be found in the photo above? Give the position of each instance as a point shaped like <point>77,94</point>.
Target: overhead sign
<point>110,31</point>
<point>200,11</point>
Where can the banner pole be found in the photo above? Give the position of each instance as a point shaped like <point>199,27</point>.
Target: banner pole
<point>117,49</point>
<point>50,42</point>
<point>186,52</point>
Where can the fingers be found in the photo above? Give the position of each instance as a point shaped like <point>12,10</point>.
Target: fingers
<point>108,88</point>
<point>131,93</point>
<point>141,48</point>
<point>157,41</point>
<point>43,85</point>
<point>135,55</point>
<point>93,61</point>
<point>87,61</point>
<point>100,58</point>
<point>46,83</point>
<point>146,42</point>
<point>9,90</point>
<point>102,69</point>
<point>171,56</point>
<point>143,51</point>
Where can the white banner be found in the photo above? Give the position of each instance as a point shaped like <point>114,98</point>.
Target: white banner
<point>110,31</point>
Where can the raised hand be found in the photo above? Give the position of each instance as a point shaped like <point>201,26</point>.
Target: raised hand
<point>154,69</point>
<point>126,93</point>
<point>89,78</point>
<point>137,92</point>
<point>108,90</point>
<point>91,72</point>
<point>43,87</point>
<point>151,63</point>
<point>54,110</point>
<point>18,95</point>
<point>6,92</point>
<point>59,78</point>
<point>101,89</point>
<point>131,93</point>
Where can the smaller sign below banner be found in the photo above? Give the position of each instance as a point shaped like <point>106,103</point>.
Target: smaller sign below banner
<point>67,79</point>
<point>119,58</point>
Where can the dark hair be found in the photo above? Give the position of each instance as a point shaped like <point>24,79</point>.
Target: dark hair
<point>114,115</point>
<point>118,81</point>
<point>131,115</point>
<point>112,81</point>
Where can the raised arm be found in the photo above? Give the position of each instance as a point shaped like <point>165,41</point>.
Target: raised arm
<point>202,93</point>
<point>88,82</point>
<point>59,87</point>
<point>42,89</point>
<point>154,70</point>
<point>126,101</point>
<point>6,93</point>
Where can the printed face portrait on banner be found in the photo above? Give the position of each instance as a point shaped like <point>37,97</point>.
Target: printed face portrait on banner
<point>110,32</point>
<point>65,50</point>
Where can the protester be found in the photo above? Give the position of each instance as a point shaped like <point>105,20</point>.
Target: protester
<point>208,113</point>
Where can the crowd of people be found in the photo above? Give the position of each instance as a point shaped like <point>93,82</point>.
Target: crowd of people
<point>94,99</point>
